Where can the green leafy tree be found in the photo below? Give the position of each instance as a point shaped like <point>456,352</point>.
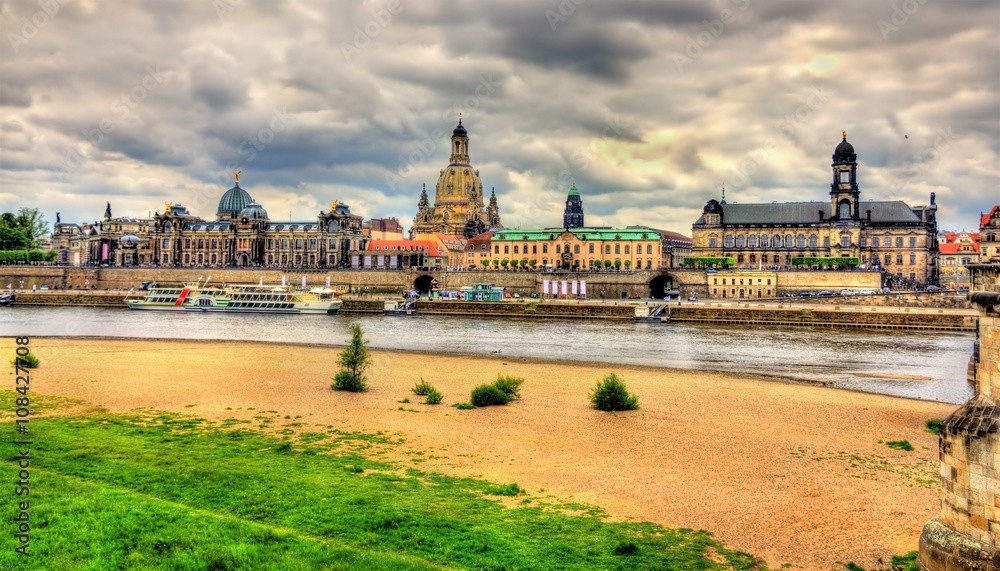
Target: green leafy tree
<point>505,262</point>
<point>485,263</point>
<point>33,224</point>
<point>532,263</point>
<point>496,263</point>
<point>607,264</point>
<point>524,262</point>
<point>618,264</point>
<point>628,264</point>
<point>353,361</point>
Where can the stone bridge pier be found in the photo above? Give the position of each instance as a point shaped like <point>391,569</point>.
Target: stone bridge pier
<point>966,535</point>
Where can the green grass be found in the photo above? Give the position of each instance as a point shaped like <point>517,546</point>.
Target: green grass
<point>171,492</point>
<point>900,445</point>
<point>933,425</point>
<point>463,406</point>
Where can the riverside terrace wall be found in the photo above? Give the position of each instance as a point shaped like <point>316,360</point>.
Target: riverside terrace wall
<point>746,314</point>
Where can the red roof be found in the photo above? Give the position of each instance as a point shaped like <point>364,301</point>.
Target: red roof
<point>952,247</point>
<point>428,247</point>
<point>986,217</point>
<point>953,237</point>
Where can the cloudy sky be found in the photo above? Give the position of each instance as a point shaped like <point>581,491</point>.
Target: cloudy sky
<point>650,106</point>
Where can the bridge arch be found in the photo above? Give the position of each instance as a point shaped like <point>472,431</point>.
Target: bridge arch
<point>662,286</point>
<point>423,283</point>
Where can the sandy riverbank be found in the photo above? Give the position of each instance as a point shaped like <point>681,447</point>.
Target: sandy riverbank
<point>791,473</point>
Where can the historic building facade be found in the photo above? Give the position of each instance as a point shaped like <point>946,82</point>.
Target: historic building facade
<point>459,206</point>
<point>242,235</point>
<point>886,235</point>
<point>956,250</point>
<point>576,248</point>
<point>989,236</point>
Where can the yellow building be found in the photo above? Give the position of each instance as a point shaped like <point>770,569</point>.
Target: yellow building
<point>888,235</point>
<point>576,248</point>
<point>989,236</point>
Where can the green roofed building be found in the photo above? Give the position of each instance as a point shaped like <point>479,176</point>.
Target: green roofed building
<point>577,248</point>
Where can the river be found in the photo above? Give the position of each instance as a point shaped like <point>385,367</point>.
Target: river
<point>926,365</point>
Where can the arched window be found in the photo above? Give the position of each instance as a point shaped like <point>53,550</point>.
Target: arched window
<point>813,241</point>
<point>576,249</point>
<point>752,241</point>
<point>729,241</point>
<point>765,241</point>
<point>741,241</point>
<point>800,241</point>
<point>788,241</point>
<point>844,210</point>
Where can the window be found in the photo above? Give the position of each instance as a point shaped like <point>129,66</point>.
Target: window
<point>591,249</point>
<point>888,259</point>
<point>187,258</point>
<point>864,259</point>
<point>516,249</point>
<point>576,248</point>
<point>913,241</point>
<point>558,248</point>
<point>864,241</point>
<point>741,241</point>
<point>201,243</point>
<point>618,248</point>
<point>496,249</point>
<point>845,241</point>
<point>649,248</point>
<point>215,243</point>
<point>788,241</point>
<point>506,249</point>
<point>768,282</point>
<point>844,210</point>
<point>765,241</point>
<point>545,248</point>
<point>800,241</point>
<point>201,258</point>
<point>483,248</point>
<point>715,281</point>
<point>845,176</point>
<point>284,243</point>
<point>752,241</point>
<point>763,258</point>
<point>739,259</point>
<point>913,259</point>
<point>899,258</point>
<point>333,244</point>
<point>899,241</point>
<point>887,243</point>
<point>627,248</point>
<point>312,244</point>
<point>534,249</point>
<point>713,242</point>
<point>826,241</point>
<point>814,241</point>
<point>875,242</point>
<point>166,244</point>
<point>213,258</point>
<point>728,241</point>
<point>166,258</point>
<point>187,243</point>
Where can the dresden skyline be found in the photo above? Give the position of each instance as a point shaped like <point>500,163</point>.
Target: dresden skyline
<point>650,107</point>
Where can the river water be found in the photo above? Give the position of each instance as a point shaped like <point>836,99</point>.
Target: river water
<point>929,366</point>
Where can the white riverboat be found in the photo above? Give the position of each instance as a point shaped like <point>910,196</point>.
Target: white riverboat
<point>238,299</point>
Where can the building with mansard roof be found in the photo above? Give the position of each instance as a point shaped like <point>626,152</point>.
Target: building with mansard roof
<point>459,206</point>
<point>887,235</point>
<point>241,235</point>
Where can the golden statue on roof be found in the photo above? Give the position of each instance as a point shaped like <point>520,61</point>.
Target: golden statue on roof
<point>237,173</point>
<point>844,133</point>
<point>169,206</point>
<point>333,206</point>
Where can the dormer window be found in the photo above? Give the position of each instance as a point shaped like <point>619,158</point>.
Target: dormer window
<point>845,176</point>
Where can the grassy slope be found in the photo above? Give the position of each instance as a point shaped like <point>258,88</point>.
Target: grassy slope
<point>160,491</point>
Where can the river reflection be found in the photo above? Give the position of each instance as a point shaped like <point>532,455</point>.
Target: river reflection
<point>923,365</point>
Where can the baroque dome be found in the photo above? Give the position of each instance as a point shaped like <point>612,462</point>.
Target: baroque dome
<point>844,151</point>
<point>233,201</point>
<point>459,182</point>
<point>253,211</point>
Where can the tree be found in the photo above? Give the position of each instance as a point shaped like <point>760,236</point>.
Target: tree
<point>618,264</point>
<point>353,361</point>
<point>485,263</point>
<point>34,226</point>
<point>505,262</point>
<point>607,264</point>
<point>611,394</point>
<point>628,264</point>
<point>496,262</point>
<point>524,262</point>
<point>532,263</point>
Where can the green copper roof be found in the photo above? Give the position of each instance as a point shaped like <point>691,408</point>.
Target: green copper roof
<point>573,191</point>
<point>233,201</point>
<point>582,233</point>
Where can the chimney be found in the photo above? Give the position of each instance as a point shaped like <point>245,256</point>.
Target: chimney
<point>820,215</point>
<point>868,215</point>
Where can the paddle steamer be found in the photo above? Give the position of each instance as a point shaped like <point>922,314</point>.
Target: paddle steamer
<point>238,299</point>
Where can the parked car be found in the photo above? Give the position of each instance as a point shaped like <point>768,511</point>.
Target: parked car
<point>807,294</point>
<point>934,288</point>
<point>44,287</point>
<point>825,293</point>
<point>711,271</point>
<point>693,298</point>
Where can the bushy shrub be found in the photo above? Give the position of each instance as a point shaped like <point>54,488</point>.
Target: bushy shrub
<point>900,445</point>
<point>486,395</point>
<point>933,425</point>
<point>422,388</point>
<point>505,490</point>
<point>463,406</point>
<point>611,394</point>
<point>28,361</point>
<point>353,361</point>
<point>434,397</point>
<point>345,381</point>
<point>511,386</point>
